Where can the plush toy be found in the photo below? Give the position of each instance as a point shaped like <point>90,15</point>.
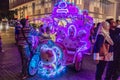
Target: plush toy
<point>47,57</point>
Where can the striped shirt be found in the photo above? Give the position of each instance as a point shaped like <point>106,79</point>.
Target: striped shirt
<point>29,31</point>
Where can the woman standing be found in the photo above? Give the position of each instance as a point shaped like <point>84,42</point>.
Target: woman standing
<point>102,52</point>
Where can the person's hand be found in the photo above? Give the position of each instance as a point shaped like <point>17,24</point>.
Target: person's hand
<point>96,61</point>
<point>93,41</point>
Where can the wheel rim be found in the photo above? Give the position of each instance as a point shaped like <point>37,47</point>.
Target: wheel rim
<point>33,66</point>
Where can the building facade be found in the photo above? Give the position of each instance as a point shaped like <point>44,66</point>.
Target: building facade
<point>118,11</point>
<point>101,9</point>
<point>98,9</point>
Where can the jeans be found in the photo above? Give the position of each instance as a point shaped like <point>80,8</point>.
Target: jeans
<point>24,60</point>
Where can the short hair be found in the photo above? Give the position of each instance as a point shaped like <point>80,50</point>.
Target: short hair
<point>109,20</point>
<point>98,24</point>
<point>23,21</point>
<point>117,20</point>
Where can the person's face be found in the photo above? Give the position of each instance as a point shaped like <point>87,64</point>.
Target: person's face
<point>106,26</point>
<point>118,22</point>
<point>113,24</point>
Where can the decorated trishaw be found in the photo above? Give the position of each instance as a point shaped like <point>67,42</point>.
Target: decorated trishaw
<point>71,30</point>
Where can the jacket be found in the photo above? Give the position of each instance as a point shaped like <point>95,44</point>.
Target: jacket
<point>102,49</point>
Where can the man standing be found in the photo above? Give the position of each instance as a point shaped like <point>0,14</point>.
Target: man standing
<point>24,44</point>
<point>116,64</point>
<point>113,66</point>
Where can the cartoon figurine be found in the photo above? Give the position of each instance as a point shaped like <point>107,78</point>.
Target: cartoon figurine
<point>47,57</point>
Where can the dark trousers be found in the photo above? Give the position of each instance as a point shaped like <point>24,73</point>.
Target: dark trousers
<point>100,69</point>
<point>113,70</point>
<point>24,60</point>
<point>109,70</point>
<point>116,72</point>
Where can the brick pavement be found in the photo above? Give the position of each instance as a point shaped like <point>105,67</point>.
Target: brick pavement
<point>10,64</point>
<point>9,61</point>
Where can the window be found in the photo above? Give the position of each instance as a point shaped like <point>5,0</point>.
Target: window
<point>38,11</point>
<point>33,8</point>
<point>96,9</point>
<point>71,1</point>
<point>46,10</point>
<point>86,6</point>
<point>46,0</point>
<point>78,1</point>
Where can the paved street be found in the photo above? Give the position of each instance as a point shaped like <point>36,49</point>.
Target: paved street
<point>10,60</point>
<point>10,64</point>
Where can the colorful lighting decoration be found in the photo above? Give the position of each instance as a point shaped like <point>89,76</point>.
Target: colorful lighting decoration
<point>47,60</point>
<point>70,24</point>
<point>72,29</point>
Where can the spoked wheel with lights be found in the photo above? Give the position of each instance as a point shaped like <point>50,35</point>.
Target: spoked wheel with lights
<point>33,65</point>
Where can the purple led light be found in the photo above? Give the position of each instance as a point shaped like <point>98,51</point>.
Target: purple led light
<point>72,31</point>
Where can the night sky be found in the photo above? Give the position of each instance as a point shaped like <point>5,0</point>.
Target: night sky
<point>4,7</point>
<point>4,4</point>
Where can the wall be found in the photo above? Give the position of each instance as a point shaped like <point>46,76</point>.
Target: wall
<point>98,9</point>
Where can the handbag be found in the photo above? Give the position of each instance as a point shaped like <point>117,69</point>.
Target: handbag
<point>104,49</point>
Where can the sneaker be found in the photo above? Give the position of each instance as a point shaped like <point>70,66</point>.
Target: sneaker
<point>24,77</point>
<point>2,51</point>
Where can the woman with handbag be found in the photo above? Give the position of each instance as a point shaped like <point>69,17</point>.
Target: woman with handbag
<point>102,52</point>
